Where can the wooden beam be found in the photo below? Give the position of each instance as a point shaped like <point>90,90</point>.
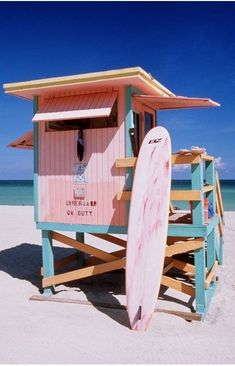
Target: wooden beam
<point>178,285</point>
<point>93,261</point>
<point>84,272</point>
<point>126,162</point>
<point>208,188</point>
<point>179,195</point>
<point>189,195</point>
<point>177,159</point>
<point>171,208</point>
<point>188,158</point>
<point>221,226</point>
<point>211,275</point>
<point>173,239</point>
<point>184,247</point>
<point>83,247</point>
<point>207,157</point>
<point>219,197</point>
<point>111,239</point>
<point>186,267</point>
<point>168,267</point>
<point>124,196</point>
<point>183,314</point>
<point>62,262</point>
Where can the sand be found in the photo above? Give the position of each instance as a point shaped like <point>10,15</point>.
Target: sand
<point>50,332</point>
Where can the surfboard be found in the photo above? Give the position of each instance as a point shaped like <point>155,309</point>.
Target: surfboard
<point>147,226</point>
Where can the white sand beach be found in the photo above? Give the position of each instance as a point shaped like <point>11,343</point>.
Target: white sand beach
<point>51,332</point>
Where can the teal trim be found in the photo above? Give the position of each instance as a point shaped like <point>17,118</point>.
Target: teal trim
<point>217,246</point>
<point>82,257</point>
<point>36,162</point>
<point>129,124</point>
<point>136,90</point>
<point>210,179</point>
<point>197,184</point>
<point>193,230</point>
<point>80,237</point>
<point>47,259</point>
<point>213,222</point>
<point>210,254</point>
<point>35,104</point>
<point>200,277</point>
<point>187,230</point>
<point>209,293</point>
<point>221,250</point>
<point>99,229</point>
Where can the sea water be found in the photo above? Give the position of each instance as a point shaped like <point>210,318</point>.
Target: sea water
<point>227,190</point>
<point>20,192</point>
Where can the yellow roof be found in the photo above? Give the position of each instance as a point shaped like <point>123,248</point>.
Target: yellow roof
<point>134,76</point>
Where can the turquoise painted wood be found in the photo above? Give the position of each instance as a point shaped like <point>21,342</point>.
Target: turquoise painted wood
<point>197,184</point>
<point>210,253</point>
<point>47,259</point>
<point>129,124</point>
<point>209,293</point>
<point>82,257</point>
<point>80,237</point>
<point>204,258</point>
<point>187,230</point>
<point>200,278</point>
<point>35,158</point>
<point>211,226</point>
<point>221,247</point>
<point>210,179</point>
<point>98,229</point>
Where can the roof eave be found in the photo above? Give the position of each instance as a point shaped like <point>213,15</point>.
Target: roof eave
<point>35,86</point>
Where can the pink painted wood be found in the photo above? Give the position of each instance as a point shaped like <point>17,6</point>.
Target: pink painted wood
<point>147,228</point>
<point>76,106</point>
<point>57,157</point>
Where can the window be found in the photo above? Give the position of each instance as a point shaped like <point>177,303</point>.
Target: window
<point>84,123</point>
<point>148,122</point>
<point>136,121</point>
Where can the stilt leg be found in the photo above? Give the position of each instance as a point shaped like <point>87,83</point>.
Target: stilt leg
<point>200,278</point>
<point>82,257</point>
<point>211,250</point>
<point>47,260</point>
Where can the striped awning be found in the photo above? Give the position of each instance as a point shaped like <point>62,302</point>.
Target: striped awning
<point>23,142</point>
<point>76,107</point>
<point>164,103</point>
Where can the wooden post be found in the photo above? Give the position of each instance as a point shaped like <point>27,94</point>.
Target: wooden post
<point>210,250</point>
<point>197,184</point>
<point>221,249</point>
<point>47,259</point>
<point>210,179</point>
<point>83,257</point>
<point>36,160</point>
<point>219,198</point>
<point>128,146</point>
<point>200,278</point>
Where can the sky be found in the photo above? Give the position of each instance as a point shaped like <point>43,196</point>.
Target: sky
<point>188,46</point>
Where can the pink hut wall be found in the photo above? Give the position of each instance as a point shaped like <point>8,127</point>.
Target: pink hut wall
<point>57,156</point>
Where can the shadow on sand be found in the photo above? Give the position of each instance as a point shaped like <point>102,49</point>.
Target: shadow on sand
<point>25,260</point>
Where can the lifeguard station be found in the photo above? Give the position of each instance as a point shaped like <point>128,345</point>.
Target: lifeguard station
<point>87,131</point>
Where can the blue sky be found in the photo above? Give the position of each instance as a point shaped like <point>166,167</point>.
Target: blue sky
<point>188,46</point>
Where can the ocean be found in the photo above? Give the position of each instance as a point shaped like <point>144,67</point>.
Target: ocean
<point>20,192</point>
